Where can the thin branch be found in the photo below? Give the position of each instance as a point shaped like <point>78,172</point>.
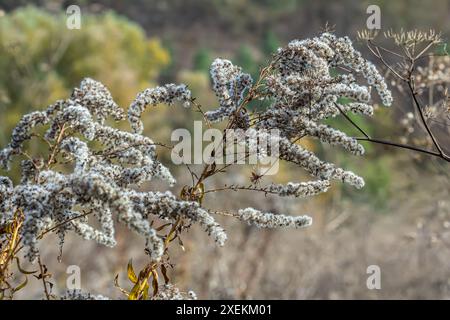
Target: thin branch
<point>403,146</point>
<point>63,223</point>
<point>379,56</point>
<point>427,127</point>
<point>43,276</point>
<point>244,188</point>
<point>351,121</point>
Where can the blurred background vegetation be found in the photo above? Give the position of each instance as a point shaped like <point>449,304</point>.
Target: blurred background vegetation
<point>131,45</point>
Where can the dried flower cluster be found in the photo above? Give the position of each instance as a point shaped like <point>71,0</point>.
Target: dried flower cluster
<point>102,181</point>
<point>270,220</point>
<point>229,85</point>
<point>80,295</point>
<point>419,67</point>
<point>171,292</point>
<point>94,170</point>
<point>303,91</point>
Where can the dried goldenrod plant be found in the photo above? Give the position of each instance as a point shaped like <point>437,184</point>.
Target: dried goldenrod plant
<point>93,169</point>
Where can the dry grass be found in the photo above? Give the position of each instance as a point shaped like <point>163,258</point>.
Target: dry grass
<point>410,243</point>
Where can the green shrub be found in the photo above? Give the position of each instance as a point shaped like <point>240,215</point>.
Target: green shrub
<point>41,59</point>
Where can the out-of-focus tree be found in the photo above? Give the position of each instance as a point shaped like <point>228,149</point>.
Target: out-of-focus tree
<point>41,59</point>
<point>202,60</point>
<point>253,14</point>
<point>270,43</point>
<point>245,58</point>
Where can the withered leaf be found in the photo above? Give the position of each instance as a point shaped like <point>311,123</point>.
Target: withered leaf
<point>130,272</point>
<point>155,282</point>
<point>164,273</point>
<point>21,286</point>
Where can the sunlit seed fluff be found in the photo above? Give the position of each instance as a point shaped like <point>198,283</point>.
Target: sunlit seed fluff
<point>358,108</point>
<point>270,220</point>
<point>192,295</point>
<point>305,91</point>
<point>73,116</point>
<point>301,189</point>
<point>22,132</point>
<point>7,207</point>
<point>165,205</point>
<point>311,163</point>
<point>167,94</point>
<point>49,197</point>
<point>346,55</point>
<point>93,186</point>
<point>79,150</point>
<point>329,135</point>
<point>288,151</point>
<point>106,165</point>
<point>171,292</point>
<point>229,85</point>
<point>77,294</point>
<point>98,100</point>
